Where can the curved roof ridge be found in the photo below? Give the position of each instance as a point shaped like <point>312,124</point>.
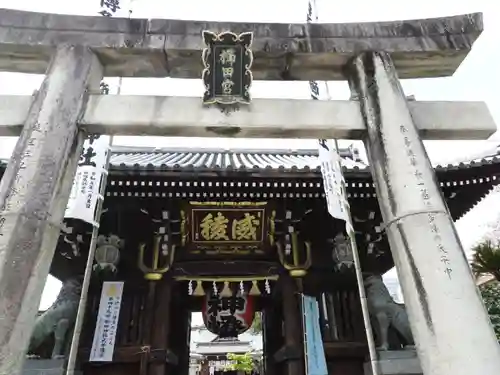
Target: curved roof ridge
<point>489,154</point>
<point>299,159</point>
<point>214,149</point>
<point>350,152</point>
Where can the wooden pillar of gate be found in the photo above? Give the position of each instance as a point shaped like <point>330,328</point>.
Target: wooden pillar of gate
<point>272,335</point>
<point>292,352</point>
<point>160,329</point>
<point>180,332</point>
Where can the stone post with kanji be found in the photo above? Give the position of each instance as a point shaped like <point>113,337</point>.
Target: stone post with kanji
<point>449,322</point>
<point>34,192</point>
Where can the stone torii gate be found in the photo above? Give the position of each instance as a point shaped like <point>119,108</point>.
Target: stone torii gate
<point>449,322</point>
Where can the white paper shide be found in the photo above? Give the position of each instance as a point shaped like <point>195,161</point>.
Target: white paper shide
<point>333,180</point>
<point>103,344</point>
<point>85,191</point>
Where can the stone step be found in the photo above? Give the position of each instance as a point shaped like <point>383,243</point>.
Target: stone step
<point>45,367</point>
<point>396,362</point>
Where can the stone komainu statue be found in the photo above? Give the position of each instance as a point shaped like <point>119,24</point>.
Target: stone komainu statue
<point>58,318</point>
<point>386,313</point>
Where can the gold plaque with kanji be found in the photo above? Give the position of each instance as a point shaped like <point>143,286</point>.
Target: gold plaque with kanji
<point>227,227</point>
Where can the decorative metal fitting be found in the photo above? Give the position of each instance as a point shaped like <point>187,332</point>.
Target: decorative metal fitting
<point>154,273</point>
<point>295,269</point>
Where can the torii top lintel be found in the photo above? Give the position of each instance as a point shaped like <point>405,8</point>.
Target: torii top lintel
<point>172,48</point>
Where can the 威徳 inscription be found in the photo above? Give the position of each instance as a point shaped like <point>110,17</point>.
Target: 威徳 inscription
<point>217,228</point>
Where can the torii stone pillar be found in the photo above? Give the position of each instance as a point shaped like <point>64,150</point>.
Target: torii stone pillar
<point>449,322</point>
<point>34,192</point>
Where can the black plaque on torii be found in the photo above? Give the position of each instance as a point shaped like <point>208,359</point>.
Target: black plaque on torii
<point>227,60</point>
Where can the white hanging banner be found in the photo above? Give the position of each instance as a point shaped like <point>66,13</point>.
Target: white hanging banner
<point>333,180</point>
<point>103,344</point>
<point>85,191</point>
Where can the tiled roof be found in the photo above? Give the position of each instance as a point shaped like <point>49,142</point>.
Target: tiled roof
<point>143,158</point>
<point>175,159</point>
<point>282,160</point>
<point>490,157</point>
<point>469,164</point>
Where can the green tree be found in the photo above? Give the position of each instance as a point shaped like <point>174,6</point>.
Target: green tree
<point>491,297</point>
<point>242,362</point>
<point>487,259</point>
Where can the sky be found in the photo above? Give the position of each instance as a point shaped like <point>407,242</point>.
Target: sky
<point>477,79</point>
